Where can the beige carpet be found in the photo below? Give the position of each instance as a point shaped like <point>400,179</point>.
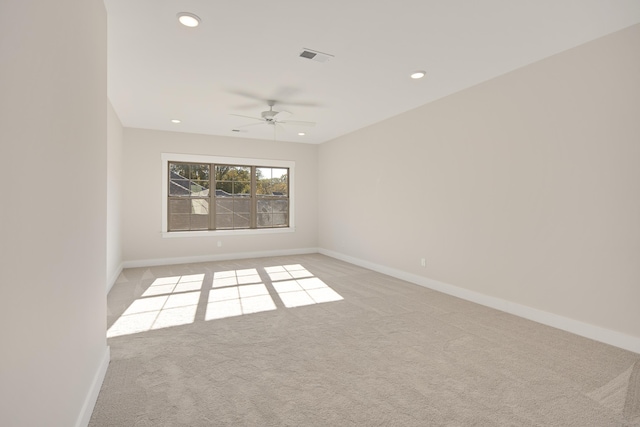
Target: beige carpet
<point>311,341</point>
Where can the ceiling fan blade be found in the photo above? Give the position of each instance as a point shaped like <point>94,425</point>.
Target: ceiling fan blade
<point>279,96</point>
<point>284,92</point>
<point>251,124</point>
<point>297,123</point>
<point>281,116</point>
<point>249,106</point>
<point>247,117</point>
<point>300,104</point>
<point>247,95</point>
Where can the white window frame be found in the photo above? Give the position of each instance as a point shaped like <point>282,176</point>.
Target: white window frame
<point>196,158</point>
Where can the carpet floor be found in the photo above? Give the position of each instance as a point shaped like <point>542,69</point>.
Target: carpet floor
<point>311,341</point>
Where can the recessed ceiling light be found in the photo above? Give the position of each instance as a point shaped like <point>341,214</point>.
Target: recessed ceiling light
<point>418,74</point>
<point>188,19</point>
<point>301,133</point>
<point>176,121</point>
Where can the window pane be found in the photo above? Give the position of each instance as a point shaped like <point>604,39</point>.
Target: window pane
<point>199,188</point>
<point>179,211</point>
<point>199,172</point>
<point>280,206</point>
<point>264,220</point>
<point>241,213</point>
<point>279,220</point>
<point>280,187</point>
<point>200,206</point>
<point>268,205</point>
<point>264,187</point>
<point>242,206</point>
<point>188,214</point>
<point>233,173</point>
<point>242,188</point>
<point>232,213</point>
<point>224,188</point>
<point>199,222</point>
<point>224,221</point>
<point>264,206</point>
<point>178,222</point>
<point>272,181</point>
<point>241,220</point>
<point>180,206</point>
<point>179,188</point>
<point>181,169</point>
<point>263,173</point>
<point>263,181</point>
<point>279,174</point>
<point>280,182</point>
<point>224,206</point>
<point>187,179</point>
<point>273,212</point>
<point>242,173</point>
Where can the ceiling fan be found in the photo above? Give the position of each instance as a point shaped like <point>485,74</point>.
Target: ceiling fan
<point>273,118</point>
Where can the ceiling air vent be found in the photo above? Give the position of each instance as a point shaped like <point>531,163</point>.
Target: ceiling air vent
<point>315,55</point>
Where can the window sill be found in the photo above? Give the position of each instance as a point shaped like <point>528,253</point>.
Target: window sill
<point>218,233</point>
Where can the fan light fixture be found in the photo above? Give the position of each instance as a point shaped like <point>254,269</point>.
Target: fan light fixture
<point>188,19</point>
<point>418,74</point>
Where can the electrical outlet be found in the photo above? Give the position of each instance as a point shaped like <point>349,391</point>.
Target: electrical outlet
<point>423,262</point>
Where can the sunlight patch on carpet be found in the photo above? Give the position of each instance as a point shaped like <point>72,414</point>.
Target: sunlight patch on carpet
<point>173,301</point>
<point>169,301</point>
<point>298,287</point>
<point>238,300</point>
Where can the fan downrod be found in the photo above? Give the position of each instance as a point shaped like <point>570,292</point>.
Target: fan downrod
<point>269,116</point>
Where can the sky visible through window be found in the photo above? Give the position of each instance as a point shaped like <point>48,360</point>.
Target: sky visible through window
<point>174,301</point>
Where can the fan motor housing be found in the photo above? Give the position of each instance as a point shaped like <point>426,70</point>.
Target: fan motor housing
<point>269,115</point>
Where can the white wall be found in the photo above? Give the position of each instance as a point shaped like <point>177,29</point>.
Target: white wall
<point>53,213</point>
<point>143,243</point>
<point>525,188</point>
<point>114,195</point>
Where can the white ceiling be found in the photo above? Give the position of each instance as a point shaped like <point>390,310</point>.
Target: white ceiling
<point>159,70</point>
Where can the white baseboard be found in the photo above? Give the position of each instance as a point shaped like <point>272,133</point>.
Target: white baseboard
<point>92,396</point>
<point>597,333</point>
<point>219,257</point>
<point>111,280</point>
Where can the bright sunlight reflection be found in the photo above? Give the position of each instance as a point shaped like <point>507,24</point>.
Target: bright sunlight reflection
<point>173,301</point>
<point>297,287</point>
<point>237,292</point>
<point>169,301</point>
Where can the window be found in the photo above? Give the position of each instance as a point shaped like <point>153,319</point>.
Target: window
<point>189,200</point>
<point>205,194</point>
<point>272,196</point>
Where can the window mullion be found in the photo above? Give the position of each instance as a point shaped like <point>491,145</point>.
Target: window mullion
<point>212,196</point>
<point>254,203</point>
